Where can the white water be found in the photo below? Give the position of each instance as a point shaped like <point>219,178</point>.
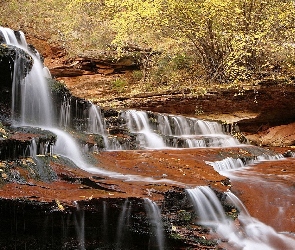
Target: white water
<point>65,113</point>
<point>250,234</point>
<point>36,110</point>
<point>176,131</point>
<point>35,103</point>
<point>154,216</point>
<point>228,165</point>
<point>123,222</point>
<point>96,124</point>
<point>79,221</point>
<point>67,147</point>
<point>137,122</point>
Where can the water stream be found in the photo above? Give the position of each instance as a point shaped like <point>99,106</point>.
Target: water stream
<point>158,132</point>
<point>248,235</point>
<point>154,216</point>
<point>123,222</point>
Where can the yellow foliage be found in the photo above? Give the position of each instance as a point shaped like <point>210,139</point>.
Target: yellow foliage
<point>229,39</point>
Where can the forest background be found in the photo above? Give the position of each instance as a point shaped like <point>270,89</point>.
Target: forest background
<point>187,43</point>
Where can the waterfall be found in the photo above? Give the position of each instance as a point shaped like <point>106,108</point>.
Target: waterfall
<point>164,125</point>
<point>137,122</point>
<point>207,206</point>
<point>176,131</point>
<point>67,146</point>
<point>181,126</point>
<point>33,148</point>
<point>251,233</point>
<point>228,164</point>
<point>35,103</point>
<point>79,221</point>
<point>154,216</point>
<point>123,222</point>
<point>36,108</point>
<point>96,124</point>
<point>65,112</point>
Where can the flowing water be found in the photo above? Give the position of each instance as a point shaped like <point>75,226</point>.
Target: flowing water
<point>171,131</point>
<point>123,222</point>
<point>157,132</point>
<point>35,102</point>
<point>154,215</point>
<point>138,122</point>
<point>250,234</point>
<point>79,220</point>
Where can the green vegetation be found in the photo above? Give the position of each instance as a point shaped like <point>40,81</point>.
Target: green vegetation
<point>119,84</point>
<point>224,41</point>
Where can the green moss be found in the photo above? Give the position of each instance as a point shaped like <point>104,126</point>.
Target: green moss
<point>119,84</point>
<point>57,86</point>
<point>205,242</point>
<point>176,236</point>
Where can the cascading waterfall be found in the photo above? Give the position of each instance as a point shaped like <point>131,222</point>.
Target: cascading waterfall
<point>154,216</point>
<point>251,234</point>
<point>176,131</point>
<point>35,103</point>
<point>79,220</point>
<point>65,113</point>
<point>228,164</point>
<point>207,206</point>
<point>164,125</point>
<point>138,123</point>
<point>123,222</point>
<point>96,125</point>
<point>181,126</point>
<point>36,110</point>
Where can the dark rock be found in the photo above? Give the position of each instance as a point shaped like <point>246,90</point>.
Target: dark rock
<point>8,55</point>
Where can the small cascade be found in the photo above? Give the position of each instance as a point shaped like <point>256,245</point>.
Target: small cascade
<point>207,206</point>
<point>176,131</point>
<point>123,222</point>
<point>207,127</point>
<point>230,163</point>
<point>96,123</point>
<point>33,148</point>
<point>227,164</point>
<point>138,122</point>
<point>67,147</point>
<point>79,220</point>
<point>237,203</point>
<point>154,216</point>
<point>251,233</point>
<point>164,125</point>
<point>65,113</point>
<point>180,125</point>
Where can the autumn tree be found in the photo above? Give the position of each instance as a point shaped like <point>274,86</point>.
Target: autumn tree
<point>230,39</point>
<point>224,40</point>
